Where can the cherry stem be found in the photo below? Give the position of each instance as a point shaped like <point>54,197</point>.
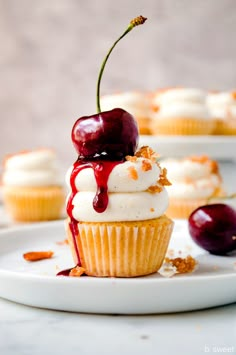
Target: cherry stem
<point>133,23</point>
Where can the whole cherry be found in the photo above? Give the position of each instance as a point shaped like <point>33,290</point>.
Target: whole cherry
<point>109,135</point>
<point>213,227</point>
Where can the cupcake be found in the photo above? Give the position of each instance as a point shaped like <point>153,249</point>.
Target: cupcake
<point>32,186</point>
<point>181,112</point>
<point>116,224</point>
<point>222,107</point>
<point>196,181</point>
<point>137,103</point>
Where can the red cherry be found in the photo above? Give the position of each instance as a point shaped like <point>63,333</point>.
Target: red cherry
<point>213,227</point>
<point>106,135</point>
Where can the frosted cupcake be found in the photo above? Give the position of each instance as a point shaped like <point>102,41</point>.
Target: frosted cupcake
<point>32,186</point>
<point>195,181</point>
<point>137,103</point>
<point>222,107</point>
<point>117,224</point>
<point>181,112</point>
<point>116,208</point>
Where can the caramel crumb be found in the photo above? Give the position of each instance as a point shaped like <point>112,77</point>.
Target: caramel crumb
<point>146,165</point>
<point>147,152</point>
<point>77,271</point>
<point>163,178</point>
<point>62,242</point>
<point>152,209</point>
<point>183,265</point>
<point>131,158</point>
<point>133,174</point>
<point>154,189</point>
<point>38,255</point>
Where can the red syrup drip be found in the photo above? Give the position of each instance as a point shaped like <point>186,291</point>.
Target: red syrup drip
<point>102,170</point>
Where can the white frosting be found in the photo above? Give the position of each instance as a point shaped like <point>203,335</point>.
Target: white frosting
<point>119,179</point>
<point>31,169</point>
<point>191,179</point>
<point>179,103</point>
<point>222,105</point>
<point>129,199</point>
<point>136,103</point>
<point>180,95</point>
<point>122,206</point>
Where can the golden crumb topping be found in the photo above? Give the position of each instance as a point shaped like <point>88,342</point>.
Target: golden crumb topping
<point>163,178</point>
<point>146,165</point>
<point>133,174</point>
<point>147,152</point>
<point>183,265</point>
<point>155,188</point>
<point>131,158</point>
<point>77,271</point>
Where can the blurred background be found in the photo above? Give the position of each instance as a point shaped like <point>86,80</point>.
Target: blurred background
<point>51,52</point>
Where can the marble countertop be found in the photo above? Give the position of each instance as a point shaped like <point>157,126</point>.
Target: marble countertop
<point>31,331</point>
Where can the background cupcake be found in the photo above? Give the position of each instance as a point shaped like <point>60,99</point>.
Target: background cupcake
<point>32,186</point>
<point>181,111</point>
<point>195,181</point>
<point>222,107</point>
<point>137,103</point>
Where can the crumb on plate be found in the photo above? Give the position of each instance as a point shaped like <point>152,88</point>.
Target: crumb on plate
<point>38,255</point>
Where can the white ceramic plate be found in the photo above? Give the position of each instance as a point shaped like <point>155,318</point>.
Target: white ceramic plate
<point>217,147</point>
<point>35,284</point>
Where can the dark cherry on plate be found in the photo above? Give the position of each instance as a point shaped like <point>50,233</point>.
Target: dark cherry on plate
<point>213,227</point>
<point>109,135</point>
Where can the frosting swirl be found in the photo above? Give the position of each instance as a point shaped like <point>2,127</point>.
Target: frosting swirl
<point>137,103</point>
<point>193,178</point>
<point>32,169</point>
<point>179,103</point>
<point>222,105</point>
<point>135,190</point>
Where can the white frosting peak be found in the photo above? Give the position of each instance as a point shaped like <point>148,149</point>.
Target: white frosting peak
<point>136,103</point>
<point>178,103</point>
<point>129,198</point>
<point>222,104</point>
<point>191,178</point>
<point>32,168</point>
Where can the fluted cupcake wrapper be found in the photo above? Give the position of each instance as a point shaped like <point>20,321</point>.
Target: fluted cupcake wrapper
<point>182,126</point>
<point>182,208</point>
<point>126,249</point>
<point>34,204</point>
<point>225,127</point>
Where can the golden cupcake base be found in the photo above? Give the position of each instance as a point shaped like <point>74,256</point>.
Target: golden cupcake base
<point>225,127</point>
<point>144,125</point>
<point>34,204</point>
<point>182,126</point>
<point>122,249</point>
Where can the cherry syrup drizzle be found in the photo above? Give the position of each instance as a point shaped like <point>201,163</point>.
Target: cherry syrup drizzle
<point>102,170</point>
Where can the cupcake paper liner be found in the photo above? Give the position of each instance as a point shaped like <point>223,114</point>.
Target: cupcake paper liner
<point>125,249</point>
<point>34,204</point>
<point>182,126</point>
<point>225,127</point>
<point>182,208</point>
<point>144,125</point>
